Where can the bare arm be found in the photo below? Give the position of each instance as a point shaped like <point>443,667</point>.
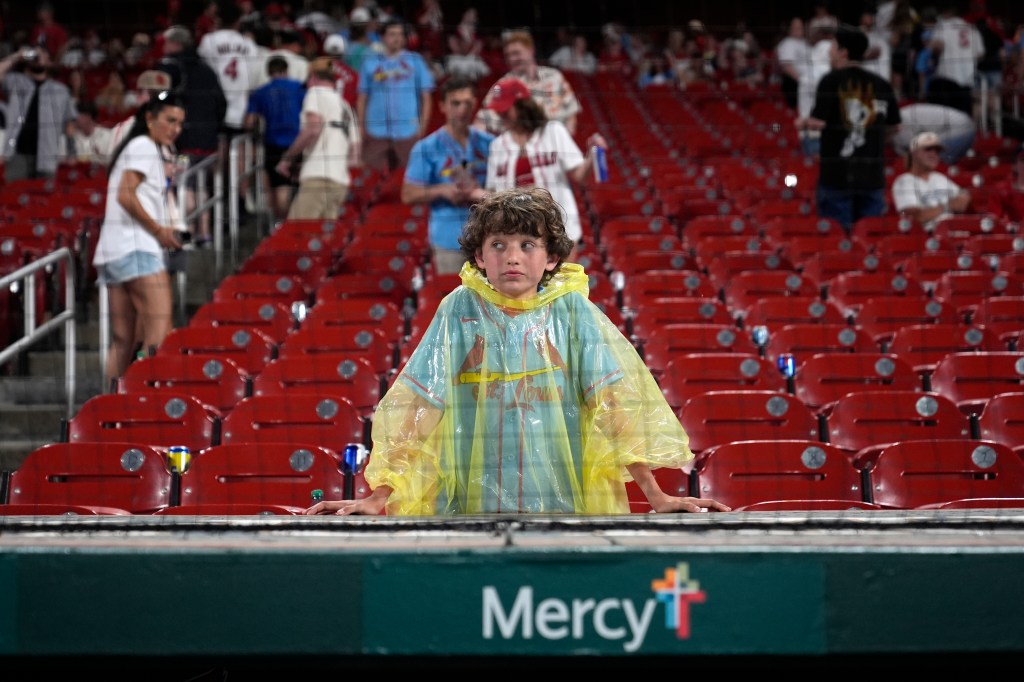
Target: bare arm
<point>128,198</point>
<point>308,134</point>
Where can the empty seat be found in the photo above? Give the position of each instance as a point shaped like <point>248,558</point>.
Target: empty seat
<point>334,374</point>
<point>747,472</point>
<point>1002,420</point>
<point>807,338</point>
<point>686,376</point>
<point>358,311</point>
<point>262,474</point>
<point>744,289</point>
<point>263,286</point>
<point>727,265</point>
<point>217,381</point>
<point>718,417</point>
<point>1003,315</point>
<point>778,311</point>
<point>881,316</point>
<point>971,379</point>
<point>365,339</point>
<point>918,473</point>
<point>272,317</point>
<point>966,288</point>
<point>657,312</point>
<point>158,420</point>
<point>672,340</point>
<point>249,347</point>
<point>640,287</point>
<point>923,345</point>
<point>304,418</point>
<point>867,419</point>
<point>851,290</point>
<point>823,378</point>
<point>309,267</point>
<point>98,476</point>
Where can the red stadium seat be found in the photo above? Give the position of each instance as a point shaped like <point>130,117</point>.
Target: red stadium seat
<point>881,316</point>
<point>850,291</point>
<point>972,379</point>
<point>358,311</point>
<point>719,417</point>
<point>262,286</point>
<point>1002,315</point>
<point>332,374</point>
<point>249,347</point>
<point>270,316</point>
<point>823,378</point>
<point>776,312</point>
<point>804,339</point>
<point>744,289</point>
<point>303,419</point>
<point>262,474</point>
<point>158,420</point>
<point>367,340</point>
<point>923,345</point>
<point>748,472</point>
<point>1002,420</point>
<point>216,381</point>
<point>640,287</point>
<point>724,267</point>
<point>686,376</point>
<point>915,474</point>
<point>867,419</point>
<point>671,340</point>
<point>97,476</point>
<point>656,312</point>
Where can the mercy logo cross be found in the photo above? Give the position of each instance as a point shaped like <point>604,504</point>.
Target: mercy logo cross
<point>676,591</point>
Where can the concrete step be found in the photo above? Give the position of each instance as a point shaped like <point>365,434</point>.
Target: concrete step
<point>23,428</point>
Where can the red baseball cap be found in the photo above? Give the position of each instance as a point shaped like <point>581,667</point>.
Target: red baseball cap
<point>507,92</point>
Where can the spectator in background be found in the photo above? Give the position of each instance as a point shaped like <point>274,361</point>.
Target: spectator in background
<point>200,91</point>
<point>547,86</point>
<point>346,80</point>
<point>47,33</point>
<point>289,48</point>
<point>614,59</point>
<point>655,70</point>
<point>328,140</point>
<point>957,47</point>
<point>576,56</point>
<point>922,193</point>
<point>278,104</point>
<point>395,100</point>
<point>956,130</point>
<point>234,58</point>
<point>208,20</point>
<point>362,37</point>
<point>856,112</point>
<point>792,58</point>
<point>40,112</point>
<point>878,58</point>
<point>446,170</point>
<point>465,49</point>
<point>148,84</point>
<point>430,27</point>
<point>90,142</point>
<point>820,63</point>
<point>537,152</point>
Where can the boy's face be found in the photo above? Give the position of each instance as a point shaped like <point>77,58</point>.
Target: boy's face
<point>515,263</point>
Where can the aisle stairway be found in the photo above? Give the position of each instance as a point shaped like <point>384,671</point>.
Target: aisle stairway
<point>33,400</point>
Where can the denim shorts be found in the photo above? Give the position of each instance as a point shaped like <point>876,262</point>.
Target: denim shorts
<point>131,266</point>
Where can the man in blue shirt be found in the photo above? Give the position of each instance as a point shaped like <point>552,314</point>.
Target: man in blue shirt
<point>447,169</point>
<point>279,104</point>
<point>394,104</point>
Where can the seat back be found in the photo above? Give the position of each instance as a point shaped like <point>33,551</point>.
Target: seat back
<point>365,339</point>
<point>718,417</point>
<point>672,340</point>
<point>262,473</point>
<point>1002,420</point>
<point>746,472</point>
<point>333,374</point>
<point>270,316</point>
<point>119,474</point>
<point>804,339</point>
<point>686,376</point>
<point>302,418</point>
<point>924,345</point>
<point>971,379</point>
<point>216,381</point>
<point>914,473</point>
<point>871,418</point>
<point>249,347</point>
<point>881,316</point>
<point>824,378</point>
<point>159,420</point>
<point>262,286</point>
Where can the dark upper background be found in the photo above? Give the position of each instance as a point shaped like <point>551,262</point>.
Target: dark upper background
<point>765,17</point>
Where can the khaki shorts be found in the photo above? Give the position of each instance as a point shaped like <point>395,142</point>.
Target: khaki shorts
<point>318,198</point>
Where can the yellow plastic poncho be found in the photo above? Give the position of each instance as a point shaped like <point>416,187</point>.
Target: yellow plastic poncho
<point>520,406</point>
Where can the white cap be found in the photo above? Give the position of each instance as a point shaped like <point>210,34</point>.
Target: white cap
<point>359,15</point>
<point>334,44</point>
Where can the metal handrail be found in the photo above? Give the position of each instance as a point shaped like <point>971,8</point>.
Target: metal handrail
<point>26,276</point>
<point>249,147</point>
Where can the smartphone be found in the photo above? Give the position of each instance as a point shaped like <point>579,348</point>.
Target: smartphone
<point>184,236</point>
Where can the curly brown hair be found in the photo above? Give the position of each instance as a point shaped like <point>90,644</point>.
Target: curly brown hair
<point>531,211</point>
